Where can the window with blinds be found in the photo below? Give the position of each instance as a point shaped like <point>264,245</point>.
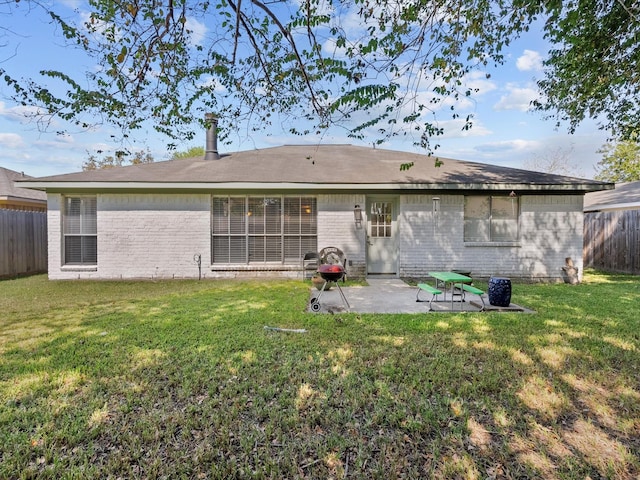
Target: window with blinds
<point>262,229</point>
<point>79,229</point>
<point>491,218</point>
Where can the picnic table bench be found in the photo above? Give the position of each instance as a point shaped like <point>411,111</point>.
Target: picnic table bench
<point>429,289</point>
<point>465,287</point>
<point>459,285</point>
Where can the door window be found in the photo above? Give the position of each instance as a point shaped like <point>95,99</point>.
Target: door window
<point>380,219</point>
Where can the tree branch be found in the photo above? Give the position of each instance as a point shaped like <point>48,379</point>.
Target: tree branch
<point>253,41</point>
<point>237,32</point>
<point>628,10</point>
<point>314,100</point>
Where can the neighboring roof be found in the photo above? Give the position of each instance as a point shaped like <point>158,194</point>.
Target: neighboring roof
<point>317,167</point>
<point>625,196</point>
<point>11,192</point>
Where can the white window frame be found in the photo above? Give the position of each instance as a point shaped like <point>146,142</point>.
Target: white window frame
<point>81,229</point>
<point>262,229</point>
<point>498,222</point>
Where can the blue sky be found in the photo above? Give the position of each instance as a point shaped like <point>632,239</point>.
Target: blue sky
<point>505,132</point>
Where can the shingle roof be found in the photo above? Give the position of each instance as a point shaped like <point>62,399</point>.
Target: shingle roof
<point>317,167</point>
<point>9,190</point>
<point>625,195</point>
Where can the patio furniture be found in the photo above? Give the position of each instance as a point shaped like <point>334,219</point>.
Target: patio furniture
<point>451,279</point>
<point>429,289</point>
<point>465,287</point>
<point>500,291</point>
<point>310,263</point>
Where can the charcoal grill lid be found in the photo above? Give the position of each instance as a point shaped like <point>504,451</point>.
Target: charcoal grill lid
<point>331,268</point>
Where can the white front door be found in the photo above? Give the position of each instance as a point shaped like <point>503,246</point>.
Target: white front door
<point>382,225</point>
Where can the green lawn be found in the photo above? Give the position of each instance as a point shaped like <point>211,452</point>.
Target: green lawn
<point>181,380</point>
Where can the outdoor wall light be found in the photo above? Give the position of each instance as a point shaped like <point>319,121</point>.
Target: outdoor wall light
<point>436,204</point>
<point>357,215</point>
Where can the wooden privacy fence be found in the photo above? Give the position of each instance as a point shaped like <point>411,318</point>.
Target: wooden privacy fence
<point>23,242</point>
<point>612,241</point>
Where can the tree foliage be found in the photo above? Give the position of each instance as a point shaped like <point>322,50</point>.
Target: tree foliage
<point>119,159</point>
<point>190,153</point>
<point>592,69</point>
<point>368,65</point>
<point>620,162</point>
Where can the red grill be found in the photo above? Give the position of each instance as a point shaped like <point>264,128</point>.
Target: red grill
<point>331,273</point>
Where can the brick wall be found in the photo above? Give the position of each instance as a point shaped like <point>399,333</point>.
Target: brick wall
<point>157,235</point>
<point>160,233</point>
<point>550,231</point>
<point>141,236</point>
<point>337,228</point>
<point>54,233</point>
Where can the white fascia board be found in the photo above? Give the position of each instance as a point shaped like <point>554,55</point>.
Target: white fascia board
<point>99,186</point>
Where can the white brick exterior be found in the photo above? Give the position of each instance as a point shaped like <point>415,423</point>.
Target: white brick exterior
<point>157,235</point>
<point>337,228</point>
<point>141,236</point>
<point>550,231</point>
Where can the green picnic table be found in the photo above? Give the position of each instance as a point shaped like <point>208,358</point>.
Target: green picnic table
<point>450,278</point>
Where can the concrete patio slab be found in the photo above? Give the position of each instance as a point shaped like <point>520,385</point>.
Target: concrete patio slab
<point>392,295</point>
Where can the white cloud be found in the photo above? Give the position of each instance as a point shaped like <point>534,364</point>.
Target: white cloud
<point>11,140</point>
<point>478,80</point>
<point>529,60</point>
<point>515,145</point>
<point>197,30</point>
<point>517,98</point>
<point>97,26</point>
<point>330,47</point>
<point>63,139</point>
<point>72,4</point>
<point>19,113</point>
<point>455,129</point>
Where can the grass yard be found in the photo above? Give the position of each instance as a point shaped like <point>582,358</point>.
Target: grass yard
<point>181,380</point>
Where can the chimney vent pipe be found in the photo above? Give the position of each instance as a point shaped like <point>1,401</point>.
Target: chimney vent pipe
<point>211,150</point>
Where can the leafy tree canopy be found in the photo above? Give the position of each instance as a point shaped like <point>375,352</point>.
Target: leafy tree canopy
<point>592,68</point>
<point>620,162</point>
<point>383,64</point>
<point>119,159</point>
<point>192,152</point>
